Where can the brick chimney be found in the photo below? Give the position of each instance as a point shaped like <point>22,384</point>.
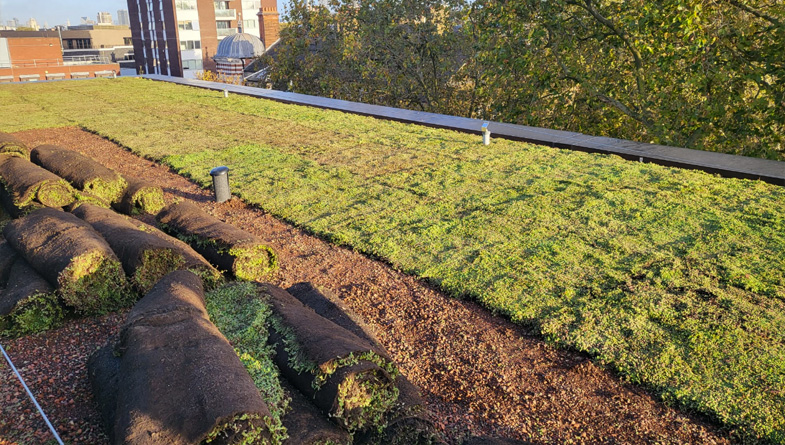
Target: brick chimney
<point>268,22</point>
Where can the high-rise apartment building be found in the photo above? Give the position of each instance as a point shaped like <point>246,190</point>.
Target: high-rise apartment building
<point>104,18</point>
<point>122,17</point>
<point>180,37</point>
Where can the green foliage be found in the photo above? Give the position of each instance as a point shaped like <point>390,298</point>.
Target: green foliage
<point>705,75</point>
<point>253,263</point>
<point>39,312</point>
<point>155,264</point>
<point>392,52</point>
<point>690,73</point>
<point>242,317</point>
<point>238,424</point>
<point>109,191</point>
<point>94,284</point>
<point>149,200</point>
<point>675,278</point>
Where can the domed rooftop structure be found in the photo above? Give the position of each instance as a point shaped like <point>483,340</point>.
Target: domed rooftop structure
<point>239,46</point>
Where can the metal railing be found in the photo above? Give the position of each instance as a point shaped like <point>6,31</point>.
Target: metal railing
<point>227,32</point>
<point>65,61</point>
<point>226,14</point>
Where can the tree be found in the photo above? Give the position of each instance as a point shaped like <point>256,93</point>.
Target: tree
<point>693,73</point>
<point>705,74</point>
<point>401,53</point>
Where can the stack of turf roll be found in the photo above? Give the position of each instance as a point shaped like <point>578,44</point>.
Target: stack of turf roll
<point>83,172</point>
<point>72,257</point>
<point>27,302</point>
<point>172,378</point>
<point>242,314</point>
<point>230,249</point>
<point>407,423</point>
<point>348,378</point>
<point>146,253</point>
<point>10,145</point>
<point>27,187</point>
<point>140,197</point>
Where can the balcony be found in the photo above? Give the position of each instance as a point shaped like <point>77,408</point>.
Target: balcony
<point>226,32</point>
<point>226,14</point>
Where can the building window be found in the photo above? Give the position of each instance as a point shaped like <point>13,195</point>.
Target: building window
<point>223,24</point>
<point>249,24</point>
<point>185,25</point>
<point>77,43</point>
<point>253,4</point>
<point>190,44</point>
<point>221,5</point>
<point>192,65</point>
<point>185,4</point>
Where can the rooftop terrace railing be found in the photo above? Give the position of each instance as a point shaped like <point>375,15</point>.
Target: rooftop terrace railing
<point>65,61</point>
<point>712,162</point>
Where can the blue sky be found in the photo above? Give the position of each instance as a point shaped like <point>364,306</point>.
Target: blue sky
<point>55,12</point>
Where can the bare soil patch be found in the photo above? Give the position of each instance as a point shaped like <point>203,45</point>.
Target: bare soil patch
<point>480,374</point>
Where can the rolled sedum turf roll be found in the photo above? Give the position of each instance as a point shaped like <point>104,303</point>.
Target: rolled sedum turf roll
<point>26,183</point>
<point>73,257</point>
<point>28,303</point>
<point>307,425</point>
<point>146,256</point>
<point>227,247</point>
<point>10,145</point>
<point>140,197</point>
<point>83,172</point>
<point>178,380</point>
<point>408,422</point>
<point>345,376</point>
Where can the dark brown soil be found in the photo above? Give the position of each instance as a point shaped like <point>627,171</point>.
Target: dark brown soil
<point>480,374</point>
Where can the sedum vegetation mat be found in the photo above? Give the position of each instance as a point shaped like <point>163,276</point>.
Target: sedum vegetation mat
<point>674,278</point>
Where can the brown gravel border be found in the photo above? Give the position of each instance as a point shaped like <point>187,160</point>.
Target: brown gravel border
<point>480,374</point>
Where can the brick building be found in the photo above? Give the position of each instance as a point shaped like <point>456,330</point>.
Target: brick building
<point>180,37</point>
<point>31,58</point>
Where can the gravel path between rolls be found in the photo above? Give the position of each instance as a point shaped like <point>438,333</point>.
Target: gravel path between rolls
<point>480,374</point>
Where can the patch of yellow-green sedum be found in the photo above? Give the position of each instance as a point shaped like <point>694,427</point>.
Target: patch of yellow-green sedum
<point>94,284</point>
<point>241,316</point>
<point>155,264</point>
<point>39,312</point>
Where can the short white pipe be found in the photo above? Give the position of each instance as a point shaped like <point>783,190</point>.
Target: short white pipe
<point>486,134</point>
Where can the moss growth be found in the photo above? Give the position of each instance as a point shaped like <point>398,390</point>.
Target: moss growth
<point>245,425</point>
<point>242,317</point>
<point>15,150</point>
<point>88,198</point>
<point>40,312</point>
<point>363,402</point>
<point>94,284</point>
<point>55,194</point>
<point>155,265</point>
<point>253,263</point>
<point>148,200</point>
<point>109,191</point>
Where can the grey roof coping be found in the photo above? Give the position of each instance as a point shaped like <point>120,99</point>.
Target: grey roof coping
<point>720,163</point>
